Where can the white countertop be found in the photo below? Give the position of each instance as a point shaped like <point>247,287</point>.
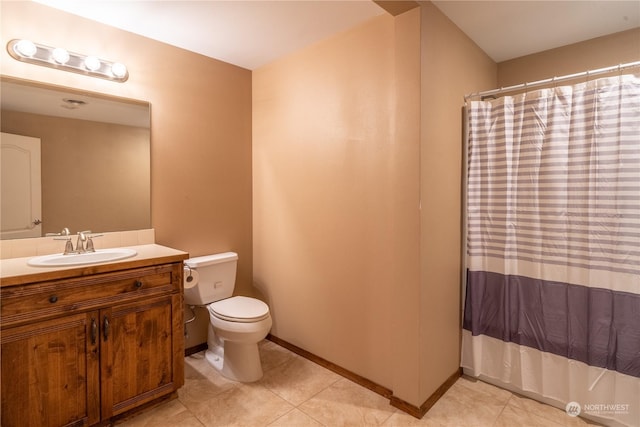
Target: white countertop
<point>12,269</point>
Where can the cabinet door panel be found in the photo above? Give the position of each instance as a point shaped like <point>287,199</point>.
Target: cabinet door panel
<point>136,363</point>
<point>50,373</point>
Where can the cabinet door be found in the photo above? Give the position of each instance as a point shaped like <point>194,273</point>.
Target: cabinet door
<point>50,372</point>
<point>136,354</point>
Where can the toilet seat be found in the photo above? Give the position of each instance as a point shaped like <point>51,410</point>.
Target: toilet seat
<point>239,309</point>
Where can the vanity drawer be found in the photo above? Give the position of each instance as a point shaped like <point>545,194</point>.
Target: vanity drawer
<point>46,299</point>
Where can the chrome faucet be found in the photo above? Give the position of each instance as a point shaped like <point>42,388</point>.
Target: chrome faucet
<point>80,242</point>
<point>82,237</point>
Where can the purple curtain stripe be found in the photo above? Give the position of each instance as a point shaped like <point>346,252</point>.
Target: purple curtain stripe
<point>599,327</point>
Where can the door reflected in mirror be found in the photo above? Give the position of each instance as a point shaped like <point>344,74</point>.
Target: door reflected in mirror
<point>95,171</point>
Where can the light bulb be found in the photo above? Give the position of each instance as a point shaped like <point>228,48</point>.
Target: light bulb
<point>60,55</point>
<point>92,63</point>
<point>119,70</point>
<point>26,48</point>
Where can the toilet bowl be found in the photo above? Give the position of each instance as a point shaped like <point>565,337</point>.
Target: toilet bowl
<point>236,323</point>
<point>232,340</point>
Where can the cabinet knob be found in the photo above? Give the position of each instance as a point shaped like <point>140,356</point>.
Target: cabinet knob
<point>53,299</point>
<point>138,284</point>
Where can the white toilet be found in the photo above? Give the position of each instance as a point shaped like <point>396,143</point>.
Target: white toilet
<point>236,324</point>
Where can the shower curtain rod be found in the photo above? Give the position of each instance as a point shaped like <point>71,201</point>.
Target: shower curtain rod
<point>589,73</point>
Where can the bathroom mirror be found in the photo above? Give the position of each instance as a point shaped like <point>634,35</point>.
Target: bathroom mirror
<point>94,167</point>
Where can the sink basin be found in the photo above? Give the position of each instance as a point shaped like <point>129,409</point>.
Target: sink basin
<point>100,255</point>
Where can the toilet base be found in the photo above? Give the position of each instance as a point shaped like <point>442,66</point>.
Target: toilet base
<point>235,361</point>
<point>215,357</point>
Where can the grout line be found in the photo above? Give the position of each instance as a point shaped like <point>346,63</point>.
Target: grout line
<point>311,416</point>
<point>502,410</point>
<point>390,415</point>
<point>281,416</point>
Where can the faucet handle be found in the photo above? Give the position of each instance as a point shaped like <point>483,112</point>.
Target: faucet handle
<point>68,247</point>
<point>65,232</point>
<point>89,246</point>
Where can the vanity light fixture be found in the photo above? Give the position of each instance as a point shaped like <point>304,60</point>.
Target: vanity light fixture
<point>60,55</point>
<point>35,53</point>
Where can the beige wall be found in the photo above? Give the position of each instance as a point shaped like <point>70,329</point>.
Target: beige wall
<point>345,147</point>
<point>95,176</point>
<point>452,65</point>
<point>200,127</point>
<point>405,302</point>
<point>592,54</point>
<point>323,183</point>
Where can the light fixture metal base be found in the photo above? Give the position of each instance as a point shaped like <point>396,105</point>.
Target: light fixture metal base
<point>39,54</point>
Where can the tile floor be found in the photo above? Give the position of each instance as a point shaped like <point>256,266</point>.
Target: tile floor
<point>297,392</point>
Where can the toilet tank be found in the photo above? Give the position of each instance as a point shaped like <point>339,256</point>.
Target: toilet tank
<point>213,278</point>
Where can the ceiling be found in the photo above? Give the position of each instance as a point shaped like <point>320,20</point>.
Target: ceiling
<point>252,33</point>
<point>510,29</point>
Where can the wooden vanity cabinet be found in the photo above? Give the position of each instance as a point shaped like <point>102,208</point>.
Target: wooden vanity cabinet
<point>136,357</point>
<point>83,350</point>
<point>50,373</point>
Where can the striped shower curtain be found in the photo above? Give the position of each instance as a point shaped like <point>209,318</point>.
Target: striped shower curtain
<point>552,298</point>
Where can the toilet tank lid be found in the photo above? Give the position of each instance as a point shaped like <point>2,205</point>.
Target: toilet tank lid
<point>205,260</point>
